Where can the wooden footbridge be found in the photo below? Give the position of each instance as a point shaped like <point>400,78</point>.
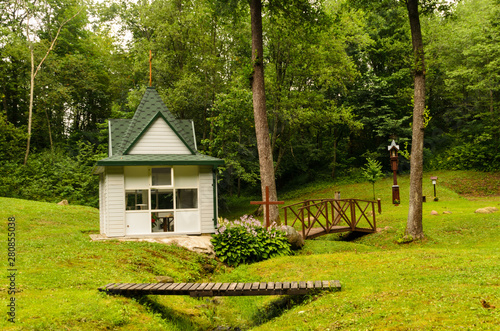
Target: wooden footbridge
<point>221,289</point>
<point>323,216</point>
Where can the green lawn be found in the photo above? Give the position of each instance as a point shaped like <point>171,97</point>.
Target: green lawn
<point>437,283</point>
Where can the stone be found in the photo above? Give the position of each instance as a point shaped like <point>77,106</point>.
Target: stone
<point>294,238</point>
<point>63,203</point>
<point>387,228</point>
<point>197,244</point>
<point>486,210</point>
<point>164,279</point>
<point>434,212</point>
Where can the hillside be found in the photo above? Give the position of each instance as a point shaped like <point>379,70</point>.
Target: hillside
<point>437,283</point>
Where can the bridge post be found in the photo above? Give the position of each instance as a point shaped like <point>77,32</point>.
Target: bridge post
<point>326,215</point>
<point>352,205</point>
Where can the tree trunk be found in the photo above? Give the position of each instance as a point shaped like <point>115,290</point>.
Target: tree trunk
<point>414,226</point>
<point>30,114</point>
<point>334,157</point>
<point>259,109</point>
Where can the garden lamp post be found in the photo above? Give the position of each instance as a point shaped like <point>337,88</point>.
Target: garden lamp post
<point>393,152</point>
<point>434,181</point>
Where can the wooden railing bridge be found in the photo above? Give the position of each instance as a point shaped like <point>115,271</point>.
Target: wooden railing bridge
<point>322,216</point>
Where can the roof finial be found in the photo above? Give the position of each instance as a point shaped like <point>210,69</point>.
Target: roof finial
<point>150,70</point>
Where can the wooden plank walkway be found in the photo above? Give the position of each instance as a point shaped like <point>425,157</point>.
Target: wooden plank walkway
<point>221,289</point>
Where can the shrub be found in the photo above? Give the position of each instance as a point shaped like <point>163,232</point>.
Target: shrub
<point>246,240</point>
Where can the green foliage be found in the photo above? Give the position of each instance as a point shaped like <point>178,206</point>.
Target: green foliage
<point>404,238</point>
<point>247,241</point>
<point>478,155</point>
<point>372,172</point>
<point>233,137</point>
<point>12,141</point>
<point>53,176</point>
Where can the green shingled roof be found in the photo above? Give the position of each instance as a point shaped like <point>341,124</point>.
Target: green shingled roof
<point>150,108</point>
<point>160,159</point>
<point>124,133</point>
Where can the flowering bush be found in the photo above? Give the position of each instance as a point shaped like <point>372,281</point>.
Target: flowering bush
<point>246,240</point>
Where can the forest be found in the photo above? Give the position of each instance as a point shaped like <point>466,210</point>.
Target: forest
<point>338,79</point>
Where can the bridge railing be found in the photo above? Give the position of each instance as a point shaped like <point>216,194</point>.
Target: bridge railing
<point>332,215</point>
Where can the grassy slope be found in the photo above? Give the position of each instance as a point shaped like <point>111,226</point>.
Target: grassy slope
<point>437,283</point>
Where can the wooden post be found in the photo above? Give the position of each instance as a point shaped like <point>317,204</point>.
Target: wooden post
<point>335,212</point>
<point>353,214</point>
<point>267,203</point>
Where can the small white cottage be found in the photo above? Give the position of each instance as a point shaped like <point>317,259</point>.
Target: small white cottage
<point>154,181</point>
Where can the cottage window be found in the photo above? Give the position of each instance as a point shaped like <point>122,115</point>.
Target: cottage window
<point>161,176</point>
<point>162,199</point>
<point>137,199</point>
<point>186,198</point>
<point>162,222</point>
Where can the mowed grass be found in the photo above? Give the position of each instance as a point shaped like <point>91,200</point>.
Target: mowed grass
<point>437,283</point>
<point>59,270</point>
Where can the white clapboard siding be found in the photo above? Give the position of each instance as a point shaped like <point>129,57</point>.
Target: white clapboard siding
<point>207,200</point>
<point>102,204</point>
<point>115,199</point>
<point>159,139</point>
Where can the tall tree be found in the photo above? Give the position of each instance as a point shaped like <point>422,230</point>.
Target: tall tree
<point>414,227</point>
<point>259,108</point>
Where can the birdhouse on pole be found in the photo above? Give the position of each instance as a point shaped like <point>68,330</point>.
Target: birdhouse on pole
<point>393,152</point>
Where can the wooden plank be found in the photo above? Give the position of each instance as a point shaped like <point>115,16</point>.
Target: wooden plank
<point>270,285</point>
<point>209,286</point>
<point>202,286</point>
<point>169,287</point>
<point>255,286</point>
<point>156,287</point>
<point>317,284</point>
<point>286,285</point>
<point>134,287</point>
<point>179,286</point>
<point>224,286</point>
<point>262,286</point>
<point>309,285</point>
<point>195,286</point>
<point>127,286</point>
<point>278,285</point>
<point>336,284</point>
<point>120,286</point>
<point>143,286</point>
<point>150,286</point>
<point>216,287</point>
<point>240,286</point>
<point>187,287</point>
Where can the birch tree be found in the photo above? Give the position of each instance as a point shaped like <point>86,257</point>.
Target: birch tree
<point>32,25</point>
